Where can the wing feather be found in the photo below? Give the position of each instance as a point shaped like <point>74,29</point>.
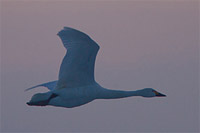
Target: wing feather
<point>50,85</point>
<point>77,67</point>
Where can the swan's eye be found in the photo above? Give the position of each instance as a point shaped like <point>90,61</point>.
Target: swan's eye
<point>156,92</point>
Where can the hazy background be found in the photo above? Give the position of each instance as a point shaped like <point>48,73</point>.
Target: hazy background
<point>143,44</point>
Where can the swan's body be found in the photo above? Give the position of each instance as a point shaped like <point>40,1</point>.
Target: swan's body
<point>76,84</point>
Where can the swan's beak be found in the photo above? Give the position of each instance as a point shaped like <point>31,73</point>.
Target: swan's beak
<point>158,94</point>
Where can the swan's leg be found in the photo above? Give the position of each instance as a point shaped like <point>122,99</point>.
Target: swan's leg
<point>42,102</point>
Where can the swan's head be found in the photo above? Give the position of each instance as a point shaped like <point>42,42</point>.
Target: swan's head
<point>149,92</point>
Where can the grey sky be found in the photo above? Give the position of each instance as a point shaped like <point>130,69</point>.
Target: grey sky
<point>143,44</point>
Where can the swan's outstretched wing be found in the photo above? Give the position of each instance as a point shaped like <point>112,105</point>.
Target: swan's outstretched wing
<point>50,85</point>
<point>77,68</point>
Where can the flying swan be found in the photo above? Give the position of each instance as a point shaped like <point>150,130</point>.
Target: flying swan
<point>76,84</point>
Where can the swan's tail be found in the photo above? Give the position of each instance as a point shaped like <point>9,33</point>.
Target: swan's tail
<point>41,99</point>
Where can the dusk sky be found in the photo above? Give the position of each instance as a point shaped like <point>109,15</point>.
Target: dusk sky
<point>142,44</point>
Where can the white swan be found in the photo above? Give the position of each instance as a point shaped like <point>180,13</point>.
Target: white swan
<point>76,84</point>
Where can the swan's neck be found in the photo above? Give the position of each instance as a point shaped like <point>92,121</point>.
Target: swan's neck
<point>114,94</point>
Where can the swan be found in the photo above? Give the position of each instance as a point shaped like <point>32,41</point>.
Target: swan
<point>76,84</point>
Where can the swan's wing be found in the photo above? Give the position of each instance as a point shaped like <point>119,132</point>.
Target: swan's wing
<point>77,68</point>
<point>50,85</point>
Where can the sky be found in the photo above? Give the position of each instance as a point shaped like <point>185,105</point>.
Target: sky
<point>142,44</point>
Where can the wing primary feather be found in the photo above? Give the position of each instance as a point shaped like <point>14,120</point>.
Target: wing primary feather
<point>77,67</point>
<point>49,85</point>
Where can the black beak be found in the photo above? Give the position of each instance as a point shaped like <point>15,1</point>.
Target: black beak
<point>160,95</point>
